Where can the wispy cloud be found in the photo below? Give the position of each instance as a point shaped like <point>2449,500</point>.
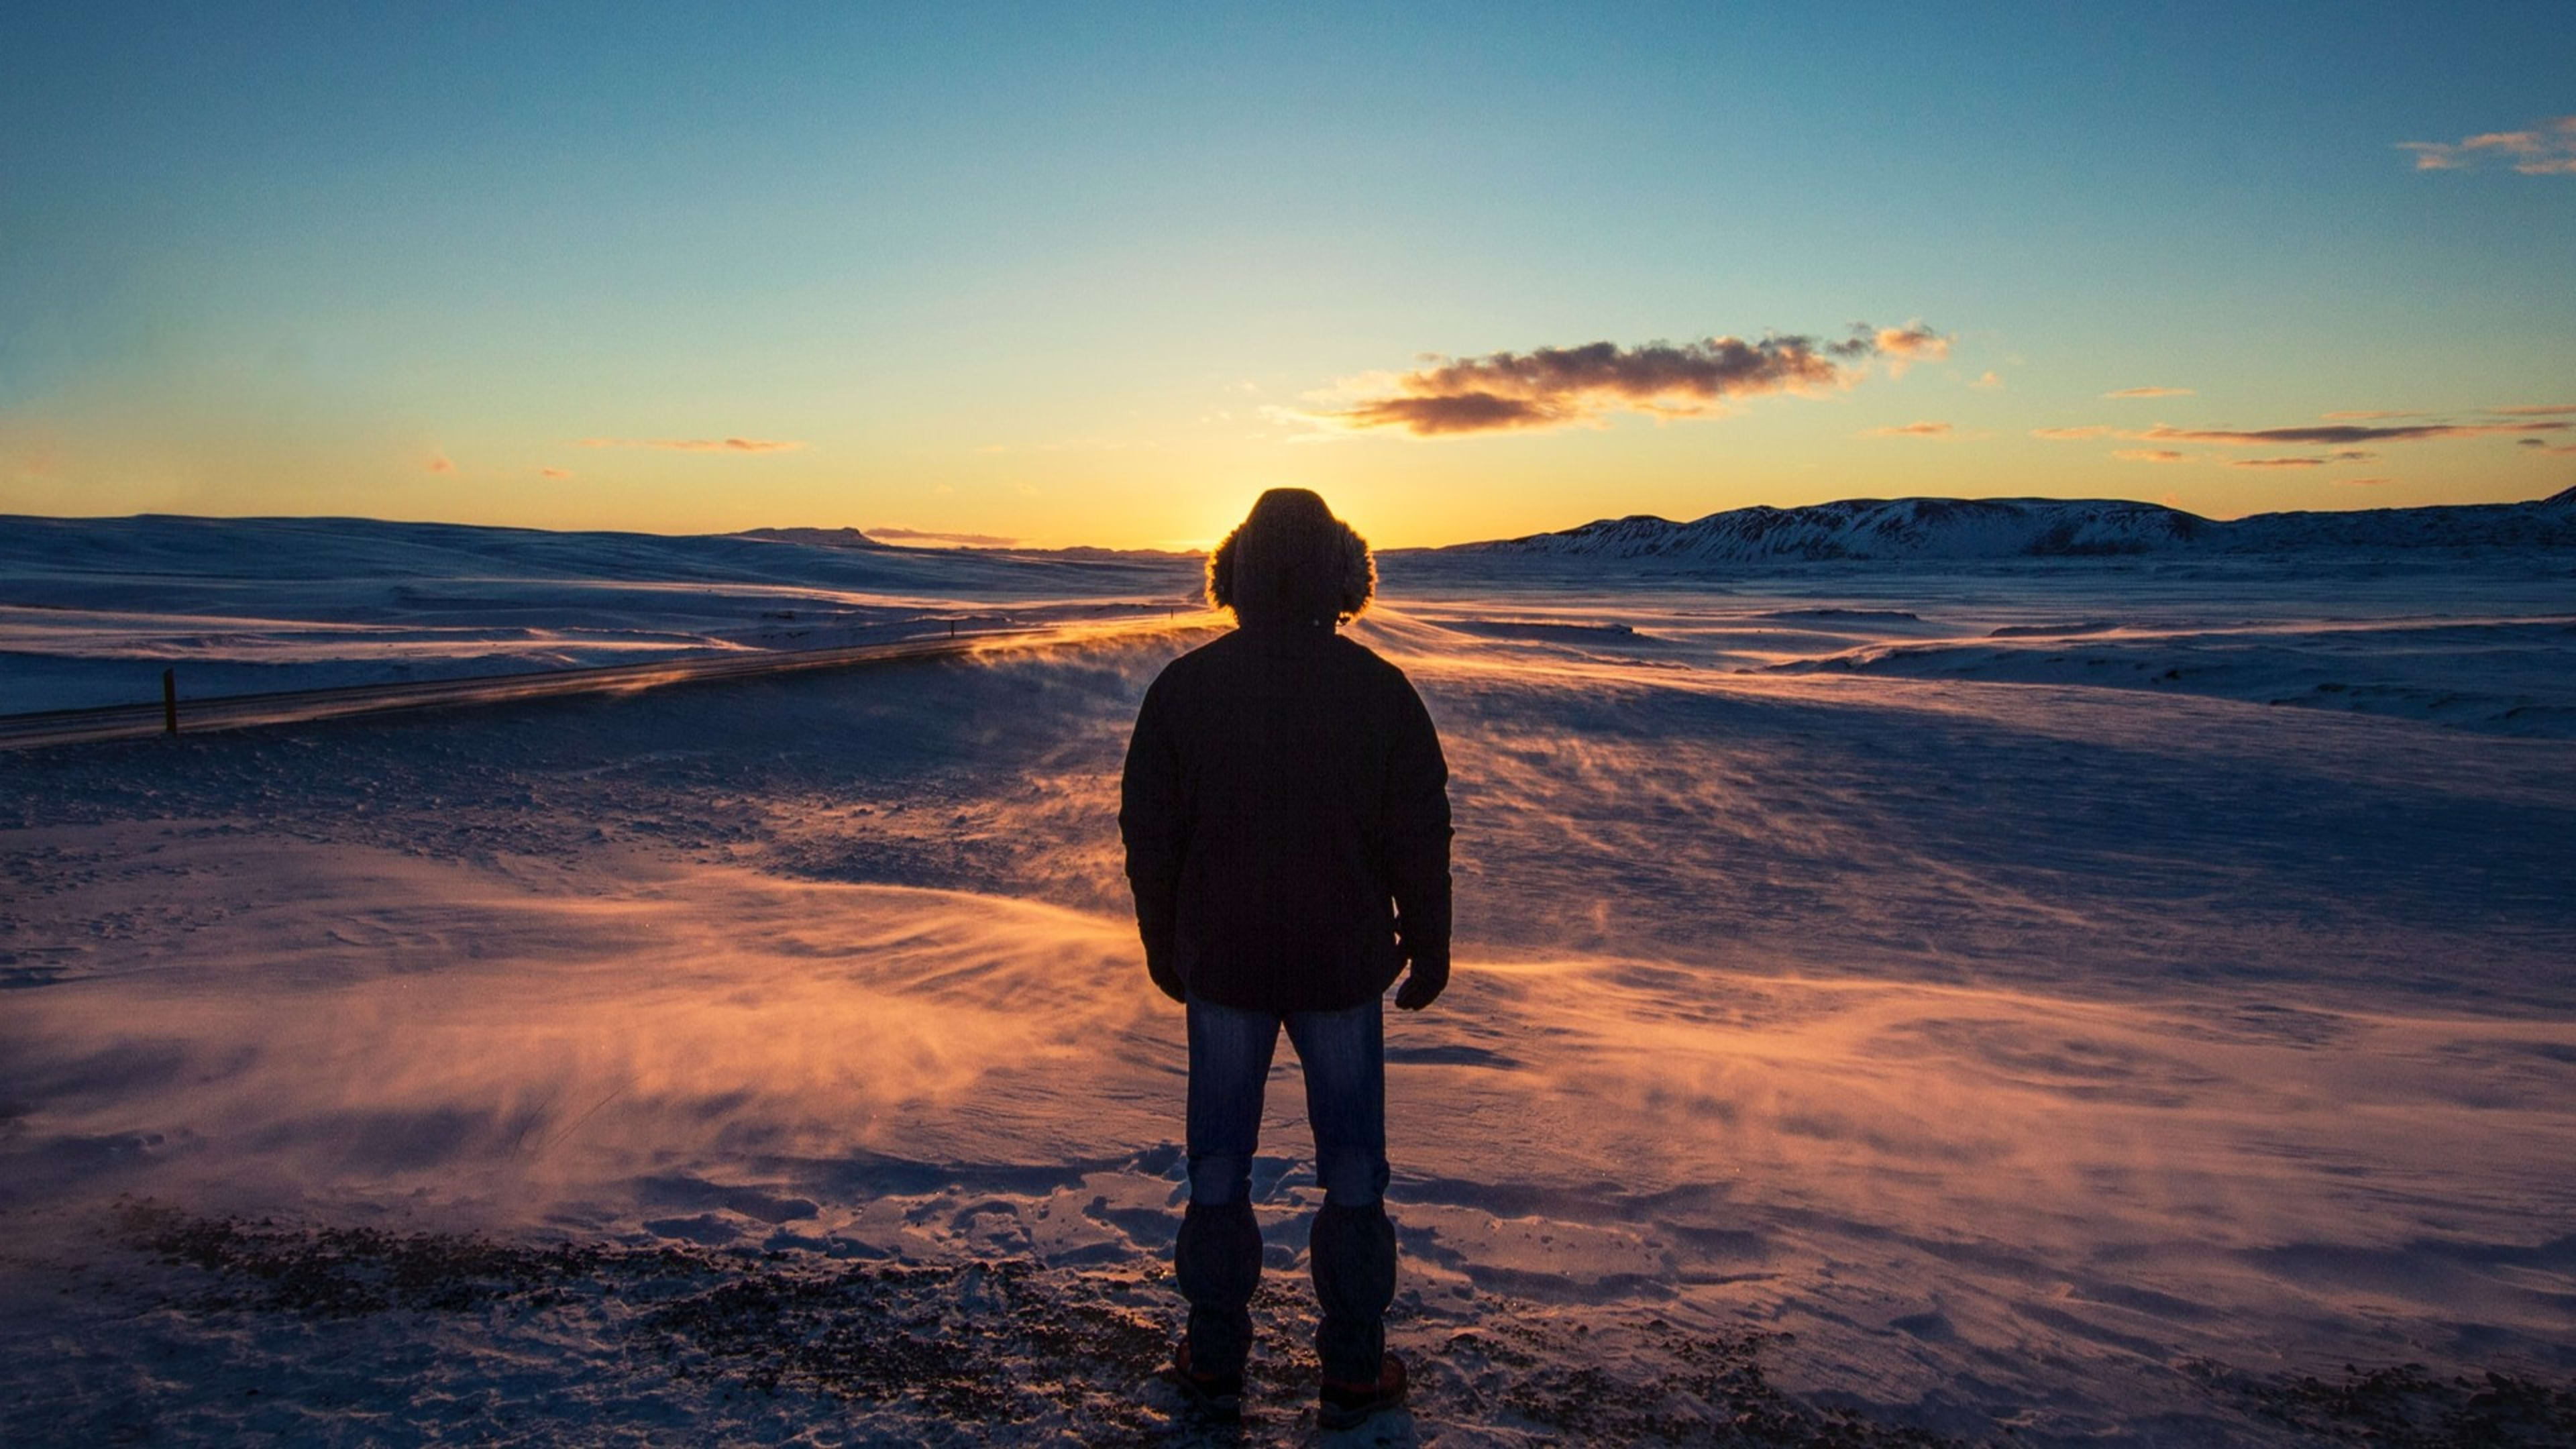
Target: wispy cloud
<point>697,445</point>
<point>2546,149</point>
<point>1550,387</point>
<point>2366,414</point>
<point>441,463</point>
<point>2545,410</point>
<point>554,472</point>
<point>2150,455</point>
<point>2346,455</point>
<point>2327,436</point>
<point>2150,392</point>
<point>923,535</point>
<point>2362,482</point>
<point>2543,444</point>
<point>1913,430</point>
<point>2338,433</point>
<point>1988,381</point>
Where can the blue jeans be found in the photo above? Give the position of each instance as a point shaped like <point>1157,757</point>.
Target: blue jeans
<point>1343,1054</point>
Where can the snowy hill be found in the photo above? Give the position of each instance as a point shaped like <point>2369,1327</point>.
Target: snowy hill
<point>59,560</point>
<point>813,537</point>
<point>92,609</point>
<point>2001,528</point>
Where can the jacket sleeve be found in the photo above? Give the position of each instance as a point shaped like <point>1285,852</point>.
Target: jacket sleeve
<point>1154,823</point>
<point>1417,824</point>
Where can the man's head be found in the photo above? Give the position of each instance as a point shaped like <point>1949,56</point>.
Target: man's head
<point>1292,560</point>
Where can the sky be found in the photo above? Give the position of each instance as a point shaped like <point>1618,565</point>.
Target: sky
<point>1061,275</point>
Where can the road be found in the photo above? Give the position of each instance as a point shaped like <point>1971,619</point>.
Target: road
<point>117,722</point>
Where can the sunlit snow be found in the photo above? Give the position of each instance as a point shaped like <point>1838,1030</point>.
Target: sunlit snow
<point>2035,985</point>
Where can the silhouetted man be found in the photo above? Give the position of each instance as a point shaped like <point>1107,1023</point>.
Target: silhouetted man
<point>1286,814</point>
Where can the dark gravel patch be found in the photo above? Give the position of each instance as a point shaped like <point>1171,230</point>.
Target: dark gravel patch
<point>991,1349</point>
<point>2405,1406</point>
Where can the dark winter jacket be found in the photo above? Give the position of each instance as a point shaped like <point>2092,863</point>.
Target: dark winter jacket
<point>1286,814</point>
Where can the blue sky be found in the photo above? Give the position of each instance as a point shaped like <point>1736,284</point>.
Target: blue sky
<point>1098,276</point>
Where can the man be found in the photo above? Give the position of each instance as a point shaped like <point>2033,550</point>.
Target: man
<point>1286,814</point>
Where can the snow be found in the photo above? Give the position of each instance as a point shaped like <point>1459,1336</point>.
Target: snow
<point>1886,1002</point>
<point>92,610</point>
<point>1997,528</point>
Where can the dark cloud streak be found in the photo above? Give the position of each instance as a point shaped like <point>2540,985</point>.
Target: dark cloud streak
<point>2338,433</point>
<point>1459,412</point>
<point>2313,435</point>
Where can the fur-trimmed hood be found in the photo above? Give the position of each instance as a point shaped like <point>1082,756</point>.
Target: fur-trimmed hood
<point>1292,561</point>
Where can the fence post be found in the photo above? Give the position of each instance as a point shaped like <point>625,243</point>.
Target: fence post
<point>169,701</point>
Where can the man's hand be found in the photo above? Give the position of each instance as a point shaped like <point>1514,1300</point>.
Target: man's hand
<point>1158,964</point>
<point>1423,984</point>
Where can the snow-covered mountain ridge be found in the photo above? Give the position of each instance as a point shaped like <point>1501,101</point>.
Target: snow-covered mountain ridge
<point>1999,528</point>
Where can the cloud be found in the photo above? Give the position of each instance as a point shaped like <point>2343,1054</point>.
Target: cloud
<point>1987,381</point>
<point>919,535</point>
<point>2362,482</point>
<point>441,463</point>
<point>1461,412</point>
<point>697,445</point>
<point>1560,386</point>
<point>2150,392</point>
<point>2326,436</point>
<point>2346,455</point>
<point>2561,450</point>
<point>1913,430</point>
<point>1912,342</point>
<point>2150,455</point>
<point>554,472</point>
<point>2548,410</point>
<point>2365,414</point>
<point>2546,149</point>
<point>2335,433</point>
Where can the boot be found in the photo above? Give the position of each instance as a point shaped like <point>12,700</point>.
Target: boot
<point>1347,1406</point>
<point>1218,1397</point>
<point>1352,1250</point>
<point>1217,1260</point>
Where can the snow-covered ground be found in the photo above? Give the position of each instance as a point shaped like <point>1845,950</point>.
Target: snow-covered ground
<point>1893,999</point>
<point>92,610</point>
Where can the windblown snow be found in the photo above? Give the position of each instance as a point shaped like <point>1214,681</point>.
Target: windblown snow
<point>2077,999</point>
<point>249,606</point>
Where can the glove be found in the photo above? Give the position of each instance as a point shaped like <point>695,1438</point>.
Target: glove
<point>1158,964</point>
<point>1424,983</point>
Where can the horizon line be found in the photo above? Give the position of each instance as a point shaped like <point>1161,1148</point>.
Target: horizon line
<point>1030,547</point>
